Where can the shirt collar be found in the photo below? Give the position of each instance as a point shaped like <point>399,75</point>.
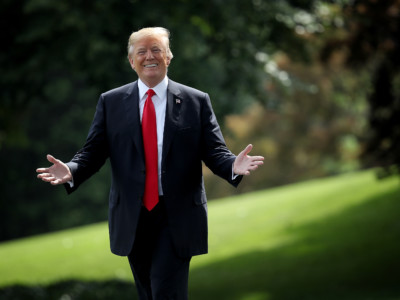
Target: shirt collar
<point>160,89</point>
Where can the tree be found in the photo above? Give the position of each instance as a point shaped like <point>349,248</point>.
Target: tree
<point>372,45</point>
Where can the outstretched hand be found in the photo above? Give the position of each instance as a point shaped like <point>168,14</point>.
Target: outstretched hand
<point>245,163</point>
<point>58,173</point>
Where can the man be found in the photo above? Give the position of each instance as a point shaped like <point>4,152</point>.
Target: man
<point>156,133</point>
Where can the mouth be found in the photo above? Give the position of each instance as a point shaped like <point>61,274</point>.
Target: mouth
<point>151,66</point>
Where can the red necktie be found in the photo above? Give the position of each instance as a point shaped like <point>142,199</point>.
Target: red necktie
<point>149,131</point>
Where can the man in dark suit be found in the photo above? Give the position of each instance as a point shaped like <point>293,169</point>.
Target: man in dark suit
<point>156,133</point>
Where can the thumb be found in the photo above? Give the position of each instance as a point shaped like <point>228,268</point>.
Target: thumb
<point>247,149</point>
<point>51,159</point>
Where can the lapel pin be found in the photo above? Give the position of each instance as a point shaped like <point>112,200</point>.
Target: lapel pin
<point>177,101</point>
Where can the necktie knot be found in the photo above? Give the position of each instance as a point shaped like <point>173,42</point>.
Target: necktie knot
<point>150,93</point>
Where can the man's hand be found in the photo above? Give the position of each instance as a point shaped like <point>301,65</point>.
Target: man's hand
<point>58,173</point>
<point>244,163</point>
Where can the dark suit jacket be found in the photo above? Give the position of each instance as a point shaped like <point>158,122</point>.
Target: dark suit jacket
<point>191,135</point>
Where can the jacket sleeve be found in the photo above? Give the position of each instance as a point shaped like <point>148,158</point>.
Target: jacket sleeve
<point>215,154</point>
<point>94,153</point>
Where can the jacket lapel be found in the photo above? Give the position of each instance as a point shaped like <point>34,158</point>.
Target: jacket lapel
<point>131,102</point>
<point>174,104</point>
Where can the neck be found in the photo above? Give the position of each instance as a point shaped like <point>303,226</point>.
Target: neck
<point>150,83</point>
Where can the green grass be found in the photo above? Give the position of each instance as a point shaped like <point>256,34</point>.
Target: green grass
<point>334,238</point>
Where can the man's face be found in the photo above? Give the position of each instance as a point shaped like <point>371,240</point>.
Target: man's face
<point>149,60</point>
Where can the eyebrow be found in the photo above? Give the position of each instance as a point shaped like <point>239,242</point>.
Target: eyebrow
<point>152,46</point>
<point>155,47</point>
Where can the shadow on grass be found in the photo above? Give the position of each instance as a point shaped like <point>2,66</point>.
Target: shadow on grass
<point>352,255</point>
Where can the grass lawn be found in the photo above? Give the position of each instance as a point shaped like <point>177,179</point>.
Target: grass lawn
<point>333,238</point>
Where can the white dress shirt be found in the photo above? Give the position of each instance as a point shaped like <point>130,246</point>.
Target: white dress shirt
<point>160,106</point>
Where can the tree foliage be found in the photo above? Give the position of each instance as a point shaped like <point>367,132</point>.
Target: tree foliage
<point>371,44</point>
<point>58,57</point>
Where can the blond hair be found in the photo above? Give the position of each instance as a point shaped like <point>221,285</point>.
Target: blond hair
<point>159,32</point>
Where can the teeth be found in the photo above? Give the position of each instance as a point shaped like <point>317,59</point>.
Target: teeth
<point>150,66</point>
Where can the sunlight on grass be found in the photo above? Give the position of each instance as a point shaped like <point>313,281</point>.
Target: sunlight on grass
<point>81,253</point>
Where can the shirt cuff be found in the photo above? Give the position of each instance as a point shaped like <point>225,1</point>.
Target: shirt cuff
<point>234,176</point>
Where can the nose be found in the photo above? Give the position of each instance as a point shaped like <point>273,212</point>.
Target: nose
<point>149,54</point>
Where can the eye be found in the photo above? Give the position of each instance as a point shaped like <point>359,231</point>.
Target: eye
<point>141,52</point>
<point>156,50</point>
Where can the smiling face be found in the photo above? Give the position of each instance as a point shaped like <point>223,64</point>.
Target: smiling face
<point>149,59</point>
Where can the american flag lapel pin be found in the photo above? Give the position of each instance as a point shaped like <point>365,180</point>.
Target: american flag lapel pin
<point>178,101</point>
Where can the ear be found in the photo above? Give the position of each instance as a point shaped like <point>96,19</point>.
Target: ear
<point>132,63</point>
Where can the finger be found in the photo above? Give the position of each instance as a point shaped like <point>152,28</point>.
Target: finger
<point>48,179</point>
<point>43,175</point>
<point>41,170</point>
<point>56,182</point>
<point>257,163</point>
<point>243,172</point>
<point>258,158</point>
<point>252,168</point>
